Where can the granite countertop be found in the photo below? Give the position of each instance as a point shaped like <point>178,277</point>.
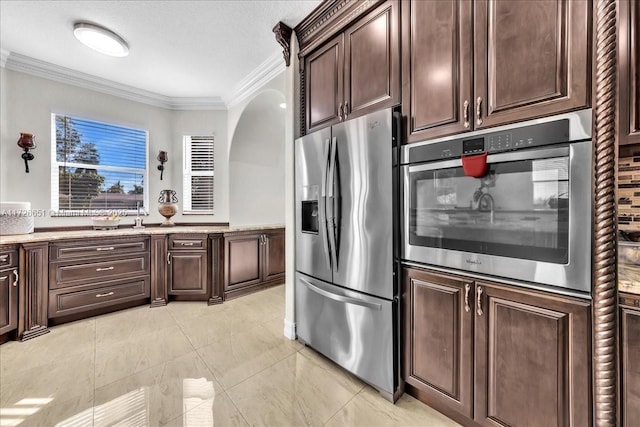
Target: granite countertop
<point>123,232</point>
<point>629,267</point>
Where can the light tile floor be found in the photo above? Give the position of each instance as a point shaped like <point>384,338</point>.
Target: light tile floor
<point>189,364</point>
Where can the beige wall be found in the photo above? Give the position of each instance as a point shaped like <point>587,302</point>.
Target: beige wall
<point>27,104</point>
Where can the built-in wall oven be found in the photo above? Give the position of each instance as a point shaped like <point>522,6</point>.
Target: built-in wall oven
<point>512,202</point>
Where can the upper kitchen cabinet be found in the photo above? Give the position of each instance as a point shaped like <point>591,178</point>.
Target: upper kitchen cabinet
<point>355,72</point>
<point>629,72</point>
<point>436,67</point>
<point>525,60</point>
<point>531,59</point>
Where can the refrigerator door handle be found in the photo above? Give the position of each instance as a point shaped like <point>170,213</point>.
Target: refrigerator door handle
<point>331,193</point>
<point>341,298</point>
<point>323,191</point>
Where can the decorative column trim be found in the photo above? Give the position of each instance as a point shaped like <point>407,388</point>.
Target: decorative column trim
<point>283,36</point>
<point>159,292</point>
<point>605,308</point>
<point>34,290</point>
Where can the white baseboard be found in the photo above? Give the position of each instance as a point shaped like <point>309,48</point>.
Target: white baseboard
<point>290,329</point>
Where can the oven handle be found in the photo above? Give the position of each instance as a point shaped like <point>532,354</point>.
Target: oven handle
<point>511,156</point>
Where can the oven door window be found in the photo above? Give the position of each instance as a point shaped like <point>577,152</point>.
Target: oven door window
<point>520,209</point>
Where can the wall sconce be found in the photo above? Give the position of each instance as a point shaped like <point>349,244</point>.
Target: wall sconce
<point>162,158</point>
<point>26,143</point>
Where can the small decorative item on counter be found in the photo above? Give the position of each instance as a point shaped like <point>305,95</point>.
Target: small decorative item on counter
<point>167,206</point>
<point>137,223</point>
<point>629,267</point>
<point>105,222</point>
<point>16,218</point>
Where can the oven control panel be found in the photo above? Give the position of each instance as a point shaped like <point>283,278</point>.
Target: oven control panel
<point>537,135</point>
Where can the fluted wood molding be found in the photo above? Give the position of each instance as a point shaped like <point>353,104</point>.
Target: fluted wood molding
<point>604,283</point>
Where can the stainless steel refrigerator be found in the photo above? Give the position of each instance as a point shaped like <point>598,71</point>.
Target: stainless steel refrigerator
<point>346,294</point>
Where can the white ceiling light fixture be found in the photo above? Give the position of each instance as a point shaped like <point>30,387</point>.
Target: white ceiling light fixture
<point>100,39</point>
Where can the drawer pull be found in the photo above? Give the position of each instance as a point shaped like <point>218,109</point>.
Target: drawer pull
<point>15,271</point>
<point>4,258</point>
<point>479,311</point>
<point>105,269</point>
<point>187,244</point>
<point>108,294</point>
<point>110,248</point>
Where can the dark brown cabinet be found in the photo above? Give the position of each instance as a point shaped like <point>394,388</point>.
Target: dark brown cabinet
<point>532,353</point>
<point>453,82</point>
<point>629,72</point>
<point>252,260</point>
<point>9,278</point>
<point>356,72</point>
<point>93,276</point>
<point>629,360</point>
<point>188,265</point>
<point>494,353</point>
<point>438,342</point>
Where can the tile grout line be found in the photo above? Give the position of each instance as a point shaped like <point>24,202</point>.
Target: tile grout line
<point>95,358</point>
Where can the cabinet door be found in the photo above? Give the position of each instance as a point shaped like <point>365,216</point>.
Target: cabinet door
<point>532,354</point>
<point>438,339</point>
<point>188,273</point>
<point>243,261</point>
<point>531,59</point>
<point>629,76</point>
<point>274,255</point>
<point>372,62</point>
<point>324,84</point>
<point>437,68</point>
<point>8,301</point>
<point>630,369</point>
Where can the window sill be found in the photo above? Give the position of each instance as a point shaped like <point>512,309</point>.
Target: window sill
<point>197,213</point>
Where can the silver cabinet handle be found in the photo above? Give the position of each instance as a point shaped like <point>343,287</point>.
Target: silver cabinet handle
<point>168,257</point>
<point>346,110</point>
<point>15,282</point>
<point>108,294</point>
<point>105,269</point>
<point>467,288</point>
<point>340,112</point>
<point>465,113</point>
<point>479,290</point>
<point>4,258</point>
<point>479,111</point>
<point>110,248</point>
<point>187,244</point>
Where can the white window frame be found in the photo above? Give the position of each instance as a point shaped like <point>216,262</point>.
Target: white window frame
<point>55,186</point>
<point>187,173</point>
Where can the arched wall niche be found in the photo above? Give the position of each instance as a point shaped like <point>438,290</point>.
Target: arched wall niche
<point>256,162</point>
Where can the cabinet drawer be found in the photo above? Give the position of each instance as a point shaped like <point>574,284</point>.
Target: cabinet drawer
<point>92,247</point>
<point>63,302</point>
<point>187,242</point>
<point>65,274</point>
<point>8,258</point>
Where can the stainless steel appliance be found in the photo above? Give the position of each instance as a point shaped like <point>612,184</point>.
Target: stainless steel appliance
<point>512,202</point>
<point>346,295</point>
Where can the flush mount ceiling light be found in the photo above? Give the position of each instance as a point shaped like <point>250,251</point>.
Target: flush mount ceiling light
<point>100,39</point>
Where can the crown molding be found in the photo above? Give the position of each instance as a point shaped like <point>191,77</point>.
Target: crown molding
<point>38,68</point>
<point>4,54</point>
<point>264,73</point>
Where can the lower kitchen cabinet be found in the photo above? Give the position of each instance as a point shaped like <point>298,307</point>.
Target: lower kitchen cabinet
<point>528,352</point>
<point>438,342</point>
<point>253,260</point>
<point>629,360</point>
<point>94,276</point>
<point>187,261</point>
<point>9,277</point>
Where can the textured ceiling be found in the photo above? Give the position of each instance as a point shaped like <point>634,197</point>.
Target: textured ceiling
<point>177,48</point>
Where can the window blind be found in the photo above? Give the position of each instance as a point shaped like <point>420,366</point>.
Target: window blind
<point>97,166</point>
<point>198,174</point>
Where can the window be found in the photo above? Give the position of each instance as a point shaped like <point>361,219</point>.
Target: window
<point>97,166</point>
<point>198,174</point>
